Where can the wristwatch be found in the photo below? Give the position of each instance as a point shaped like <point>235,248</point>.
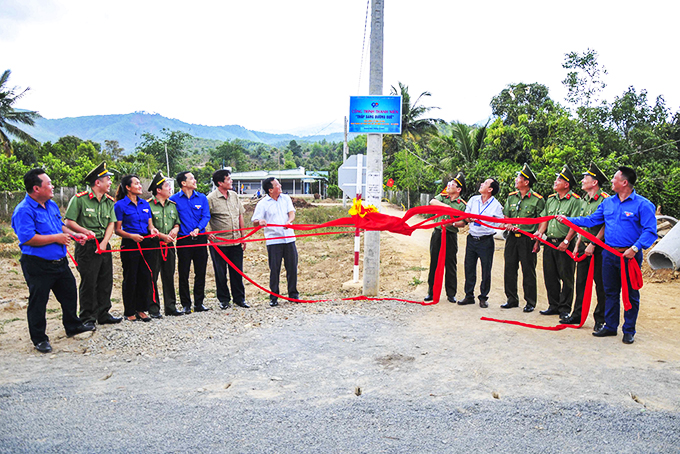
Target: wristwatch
<point>635,248</point>
<point>566,241</point>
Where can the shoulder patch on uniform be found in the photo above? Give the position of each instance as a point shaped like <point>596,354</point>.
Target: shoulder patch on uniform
<point>513,193</point>
<point>110,197</point>
<point>150,200</point>
<point>604,195</point>
<point>80,194</point>
<point>536,194</point>
<point>576,195</point>
<point>552,195</point>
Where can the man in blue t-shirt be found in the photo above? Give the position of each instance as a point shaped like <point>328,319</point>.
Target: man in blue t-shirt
<point>43,238</point>
<point>629,227</point>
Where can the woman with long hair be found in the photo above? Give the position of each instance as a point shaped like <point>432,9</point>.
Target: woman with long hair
<point>135,227</point>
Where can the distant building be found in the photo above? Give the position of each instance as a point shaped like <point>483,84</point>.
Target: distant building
<point>293,181</point>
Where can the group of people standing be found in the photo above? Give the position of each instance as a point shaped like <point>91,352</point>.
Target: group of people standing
<point>626,222</point>
<point>150,231</point>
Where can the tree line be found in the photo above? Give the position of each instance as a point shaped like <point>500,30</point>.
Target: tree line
<point>526,125</point>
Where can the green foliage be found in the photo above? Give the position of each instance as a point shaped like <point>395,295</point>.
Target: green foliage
<point>333,191</point>
<point>156,147</point>
<point>12,172</point>
<point>230,154</point>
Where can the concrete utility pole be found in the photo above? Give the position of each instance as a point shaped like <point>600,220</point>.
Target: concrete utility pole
<point>374,149</point>
<point>345,147</point>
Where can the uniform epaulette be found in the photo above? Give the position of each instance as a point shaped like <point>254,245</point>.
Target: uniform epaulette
<point>464,202</point>
<point>172,201</point>
<point>552,195</point>
<point>80,194</point>
<point>513,193</point>
<point>150,199</point>
<point>110,197</point>
<point>576,195</point>
<point>537,195</point>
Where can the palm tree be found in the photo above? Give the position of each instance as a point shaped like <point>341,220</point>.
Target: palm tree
<point>8,115</point>
<point>463,140</point>
<point>413,127</point>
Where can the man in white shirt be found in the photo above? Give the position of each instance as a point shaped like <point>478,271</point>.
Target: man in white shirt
<point>277,208</point>
<point>480,243</point>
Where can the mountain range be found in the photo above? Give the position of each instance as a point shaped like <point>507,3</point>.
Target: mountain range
<point>127,129</point>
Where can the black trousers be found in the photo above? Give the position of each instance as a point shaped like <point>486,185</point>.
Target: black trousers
<point>96,281</point>
<point>166,269</point>
<point>483,250</point>
<point>136,275</point>
<point>581,278</point>
<point>450,261</point>
<point>518,252</point>
<point>558,272</point>
<point>235,254</point>
<point>42,276</point>
<point>198,254</point>
<point>287,252</point>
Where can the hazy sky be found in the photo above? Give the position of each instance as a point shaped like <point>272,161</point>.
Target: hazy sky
<point>274,65</point>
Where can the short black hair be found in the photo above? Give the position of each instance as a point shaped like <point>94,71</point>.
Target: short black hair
<point>181,177</point>
<point>32,178</point>
<point>495,186</point>
<point>219,176</point>
<point>628,174</point>
<point>267,184</point>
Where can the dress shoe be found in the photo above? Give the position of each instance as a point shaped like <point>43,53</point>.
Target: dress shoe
<point>483,304</point>
<point>225,305</point>
<point>550,311</point>
<point>571,320</point>
<point>155,315</point>
<point>628,338</point>
<point>273,303</point>
<point>528,308</point>
<point>452,299</point>
<point>466,300</point>
<point>83,328</point>
<point>564,316</point>
<point>598,326</point>
<point>428,297</point>
<point>43,347</point>
<point>174,313</point>
<point>143,317</point>
<point>604,332</point>
<point>509,305</point>
<point>90,323</point>
<point>109,319</point>
<point>201,308</point>
<point>243,305</point>
<point>186,310</point>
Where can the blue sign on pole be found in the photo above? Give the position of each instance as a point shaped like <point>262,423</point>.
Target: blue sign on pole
<point>375,114</point>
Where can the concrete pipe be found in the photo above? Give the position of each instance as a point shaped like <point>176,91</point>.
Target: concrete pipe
<point>666,253</point>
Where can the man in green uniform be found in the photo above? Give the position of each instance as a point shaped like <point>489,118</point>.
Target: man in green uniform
<point>450,197</point>
<point>91,213</point>
<point>166,220</point>
<point>593,180</point>
<point>558,267</point>
<point>523,203</point>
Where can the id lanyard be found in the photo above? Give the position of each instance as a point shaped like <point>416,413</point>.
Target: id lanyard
<point>482,212</point>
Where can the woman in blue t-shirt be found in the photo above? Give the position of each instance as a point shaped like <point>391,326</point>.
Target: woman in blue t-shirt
<point>136,229</point>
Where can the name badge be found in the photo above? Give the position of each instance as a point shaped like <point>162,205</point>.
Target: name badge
<point>198,207</point>
<point>90,210</point>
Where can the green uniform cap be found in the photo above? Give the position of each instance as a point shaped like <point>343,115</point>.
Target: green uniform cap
<point>157,181</point>
<point>527,173</point>
<point>98,172</point>
<point>596,173</point>
<point>567,175</point>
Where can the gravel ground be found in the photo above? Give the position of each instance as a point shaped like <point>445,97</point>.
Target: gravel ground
<point>333,377</point>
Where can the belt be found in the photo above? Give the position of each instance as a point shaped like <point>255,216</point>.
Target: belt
<point>29,256</point>
<point>555,240</point>
<point>620,249</point>
<point>518,235</point>
<point>480,238</point>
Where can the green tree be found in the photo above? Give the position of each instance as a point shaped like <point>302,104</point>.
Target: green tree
<point>155,146</point>
<point>9,116</point>
<point>584,83</point>
<point>230,154</point>
<point>12,172</point>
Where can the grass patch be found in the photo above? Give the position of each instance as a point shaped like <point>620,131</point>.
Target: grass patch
<point>415,282</point>
<point>320,215</point>
<point>5,322</point>
<point>416,268</point>
<point>7,240</point>
<point>52,311</point>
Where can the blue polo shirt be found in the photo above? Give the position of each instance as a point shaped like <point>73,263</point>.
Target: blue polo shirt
<point>135,218</point>
<point>30,219</point>
<point>628,223</point>
<point>194,212</point>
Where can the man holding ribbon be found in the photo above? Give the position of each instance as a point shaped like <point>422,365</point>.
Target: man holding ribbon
<point>522,203</point>
<point>629,228</point>
<point>92,214</point>
<point>480,243</point>
<point>450,197</point>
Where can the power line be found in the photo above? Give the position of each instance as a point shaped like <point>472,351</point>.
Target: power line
<point>363,46</point>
